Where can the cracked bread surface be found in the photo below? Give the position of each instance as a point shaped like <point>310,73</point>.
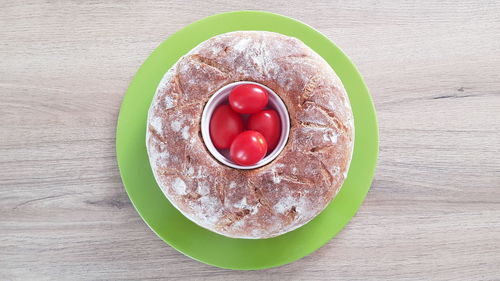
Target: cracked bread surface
<point>294,187</point>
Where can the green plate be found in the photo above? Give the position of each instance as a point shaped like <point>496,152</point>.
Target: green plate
<point>195,241</point>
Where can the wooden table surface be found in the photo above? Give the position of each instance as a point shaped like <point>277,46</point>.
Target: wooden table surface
<point>433,68</point>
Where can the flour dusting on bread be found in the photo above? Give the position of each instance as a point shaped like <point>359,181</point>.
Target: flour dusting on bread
<point>276,198</point>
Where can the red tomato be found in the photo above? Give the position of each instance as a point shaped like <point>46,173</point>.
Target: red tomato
<point>248,98</point>
<point>225,125</point>
<point>268,123</point>
<point>248,148</point>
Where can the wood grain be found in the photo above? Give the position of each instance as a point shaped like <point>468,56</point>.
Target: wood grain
<point>433,68</point>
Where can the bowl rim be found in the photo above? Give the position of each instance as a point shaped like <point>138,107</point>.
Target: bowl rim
<point>218,98</point>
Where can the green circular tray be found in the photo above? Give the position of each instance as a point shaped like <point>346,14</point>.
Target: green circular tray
<point>195,241</point>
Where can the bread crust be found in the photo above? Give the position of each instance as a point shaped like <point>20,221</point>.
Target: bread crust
<point>278,197</point>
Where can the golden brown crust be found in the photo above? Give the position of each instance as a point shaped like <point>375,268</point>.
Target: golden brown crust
<point>282,195</point>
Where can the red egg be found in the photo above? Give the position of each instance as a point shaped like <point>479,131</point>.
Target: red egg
<point>268,123</point>
<point>248,148</point>
<point>248,98</point>
<point>225,125</point>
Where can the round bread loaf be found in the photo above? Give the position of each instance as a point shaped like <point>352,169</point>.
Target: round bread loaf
<point>278,197</point>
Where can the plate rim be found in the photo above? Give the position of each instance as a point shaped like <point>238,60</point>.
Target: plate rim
<point>246,13</point>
